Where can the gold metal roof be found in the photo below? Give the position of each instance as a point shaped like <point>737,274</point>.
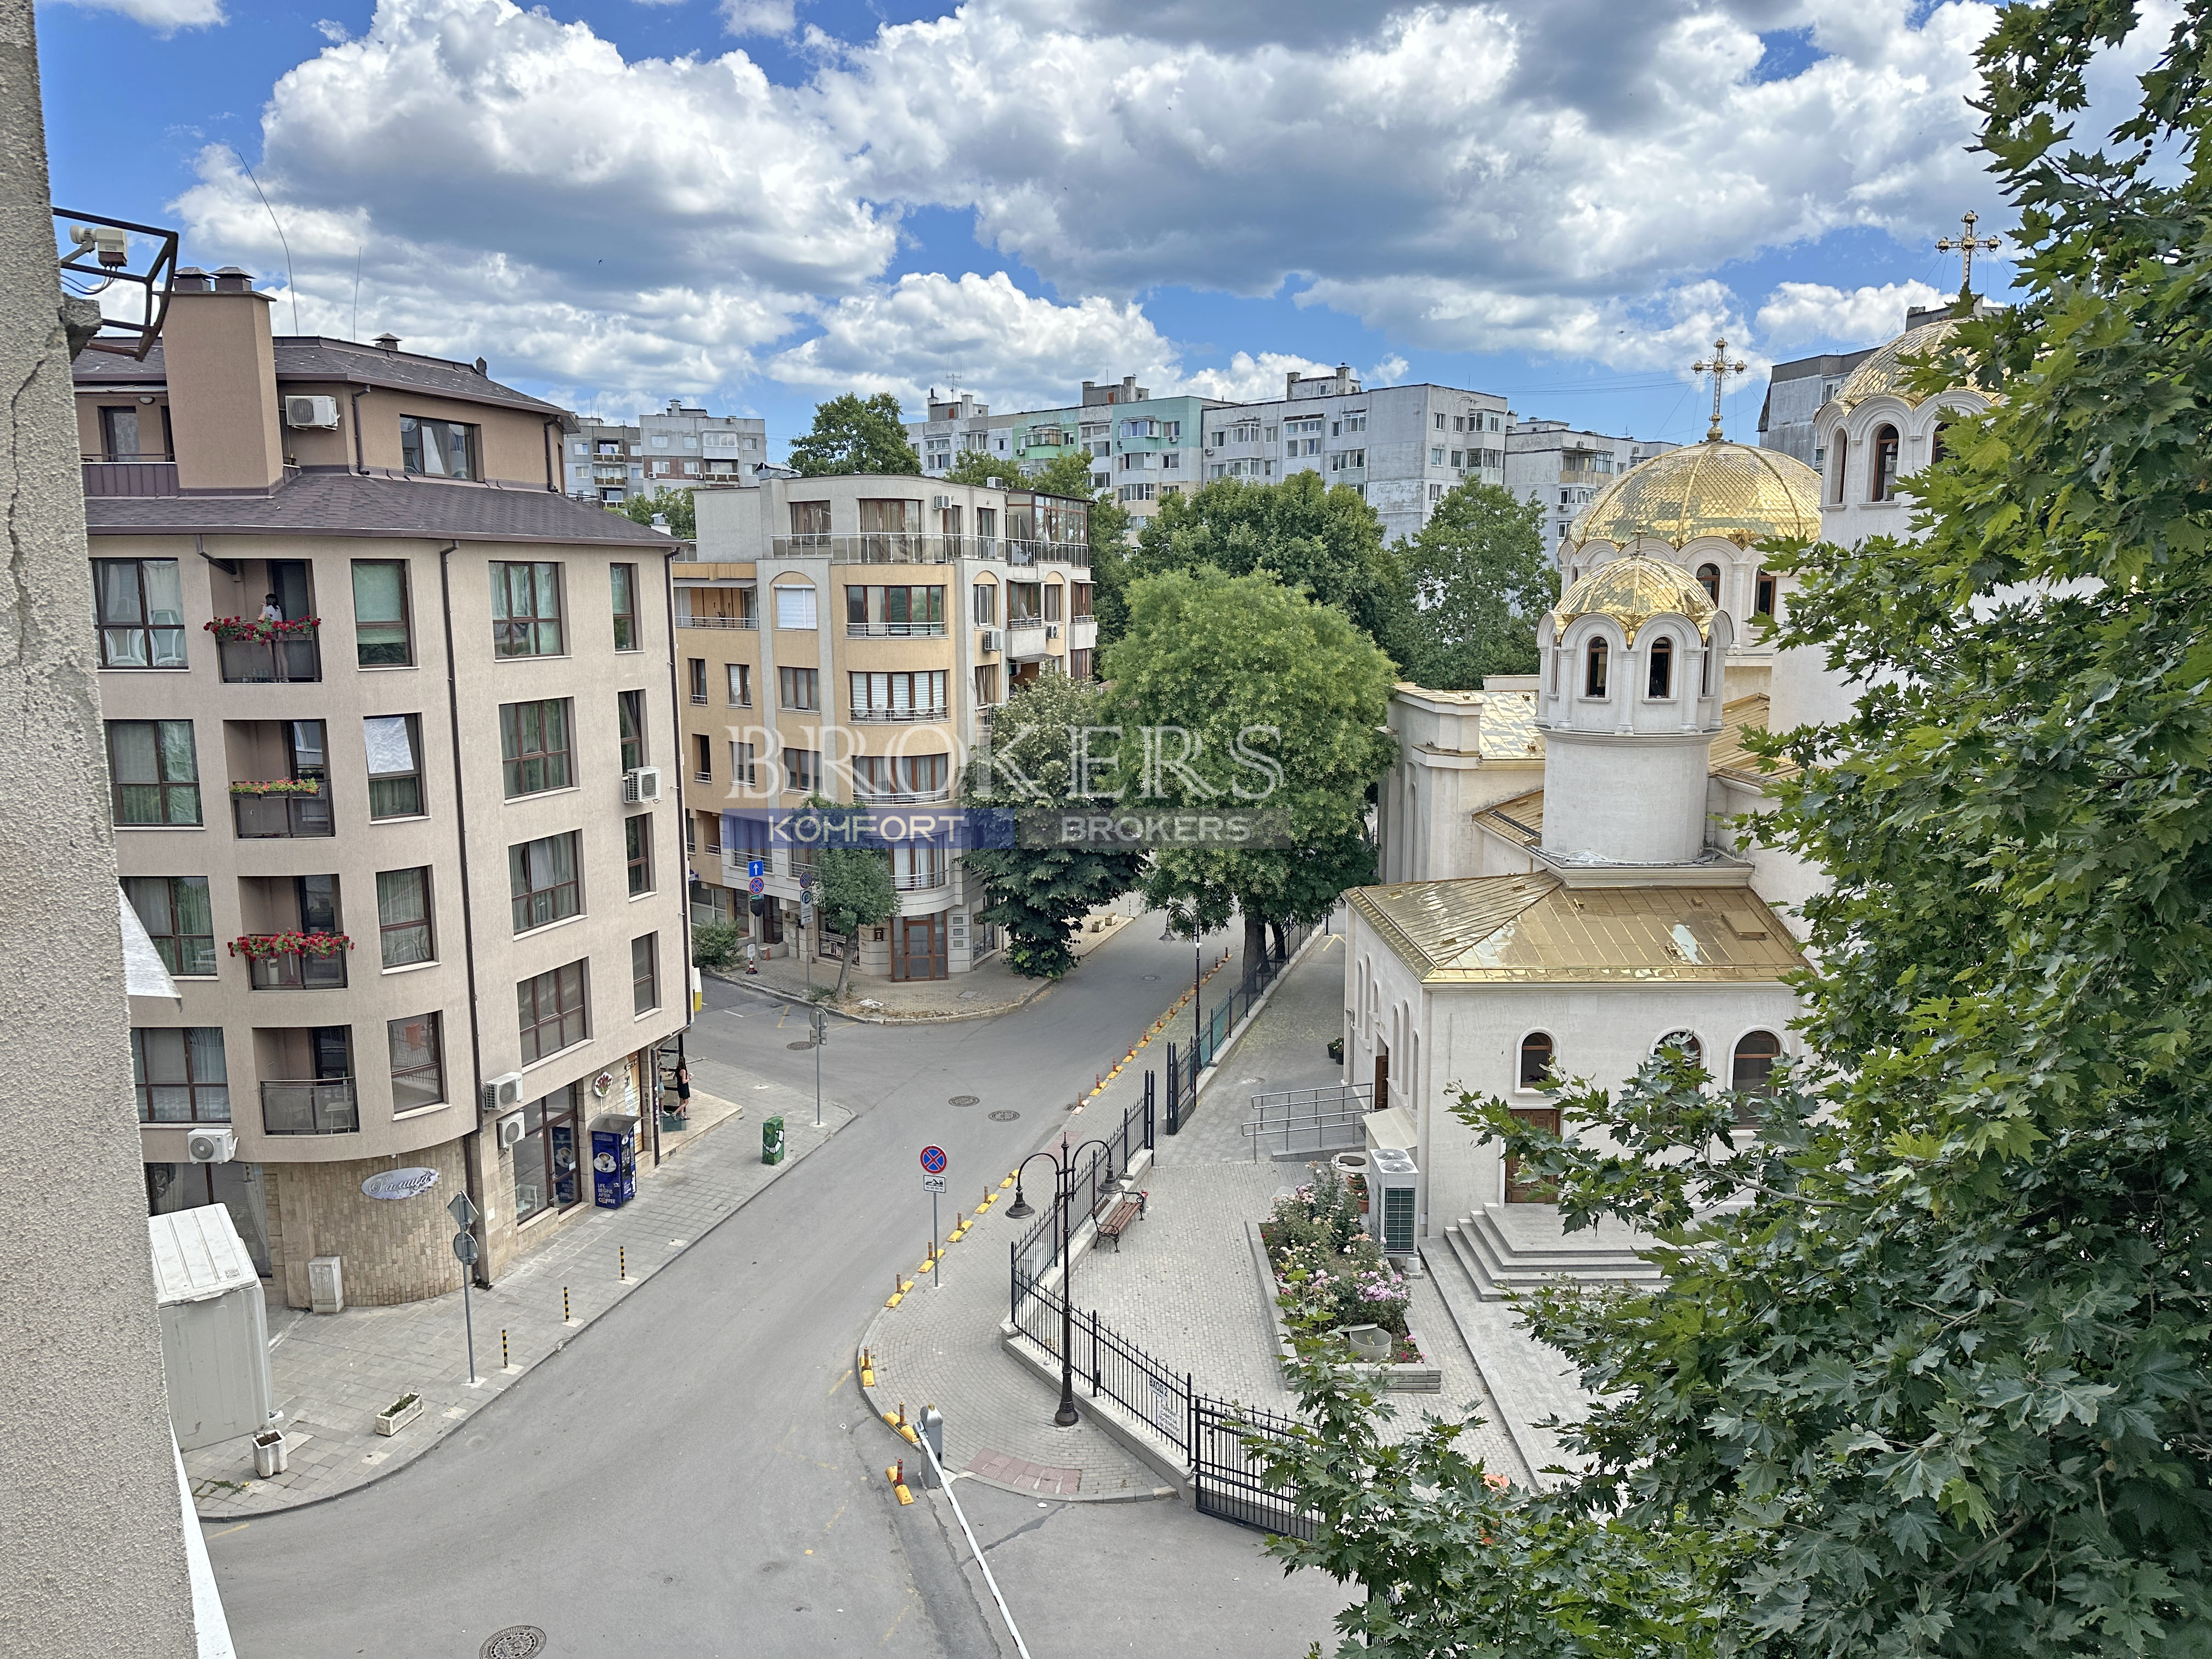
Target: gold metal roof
<point>1633,589</point>
<point>1535,930</point>
<point>1710,488</point>
<point>1886,374</point>
<point>1507,727</point>
<point>1730,758</point>
<point>1520,820</point>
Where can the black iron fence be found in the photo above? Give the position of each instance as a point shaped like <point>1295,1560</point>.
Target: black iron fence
<point>1110,1365</point>
<point>1227,1479</point>
<point>1034,1253</point>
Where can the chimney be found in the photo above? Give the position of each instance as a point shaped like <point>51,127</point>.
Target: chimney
<point>1291,385</point>
<point>221,368</point>
<point>191,279</point>
<point>1343,377</point>
<point>387,342</point>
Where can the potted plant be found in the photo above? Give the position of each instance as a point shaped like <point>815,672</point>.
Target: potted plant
<point>402,1412</point>
<point>258,946</point>
<point>259,629</point>
<point>277,786</point>
<point>270,1456</point>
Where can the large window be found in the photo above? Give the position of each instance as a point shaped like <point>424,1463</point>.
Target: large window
<point>894,611</point>
<point>543,1161</point>
<point>900,777</point>
<point>637,851</point>
<point>180,1075</point>
<point>629,717</point>
<point>418,1061</point>
<point>809,520</point>
<point>1080,601</point>
<point>380,635</point>
<point>624,581</point>
<point>794,607</point>
<point>799,688</point>
<point>525,608</point>
<point>155,772</point>
<point>175,912</point>
<point>644,973</point>
<point>438,449</point>
<point>1080,665</point>
<point>541,880</point>
<point>534,746</point>
<point>551,1013</point>
<point>802,769</point>
<point>403,916</point>
<point>899,696</point>
<point>394,746</point>
<point>141,613</point>
<point>1753,1072</point>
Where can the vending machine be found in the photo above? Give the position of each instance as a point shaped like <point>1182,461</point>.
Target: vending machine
<point>614,1162</point>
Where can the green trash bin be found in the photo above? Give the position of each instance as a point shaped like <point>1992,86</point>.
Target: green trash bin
<point>771,1140</point>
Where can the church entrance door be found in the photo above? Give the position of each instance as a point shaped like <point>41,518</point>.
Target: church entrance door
<point>1381,1078</point>
<point>1518,1191</point>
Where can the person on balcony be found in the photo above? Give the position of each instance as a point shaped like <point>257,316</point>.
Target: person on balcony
<point>270,611</point>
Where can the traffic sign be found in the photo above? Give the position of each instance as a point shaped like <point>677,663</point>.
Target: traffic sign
<point>934,1159</point>
<point>757,887</point>
<point>934,1184</point>
<point>756,868</point>
<point>464,1249</point>
<point>805,880</point>
<point>463,1211</point>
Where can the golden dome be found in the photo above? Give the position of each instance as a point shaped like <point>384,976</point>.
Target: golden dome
<point>1633,591</point>
<point>1885,372</point>
<point>1709,489</point>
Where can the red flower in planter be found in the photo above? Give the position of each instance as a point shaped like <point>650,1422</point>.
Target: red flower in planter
<point>260,946</point>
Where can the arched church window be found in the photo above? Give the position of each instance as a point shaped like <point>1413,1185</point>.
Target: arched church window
<point>1937,449</point>
<point>1709,577</point>
<point>1883,476</point>
<point>1662,679</point>
<point>1755,1054</point>
<point>1536,1054</point>
<point>1705,672</point>
<point>1762,594</point>
<point>1687,1042</point>
<point>1843,453</point>
<point>1594,670</point>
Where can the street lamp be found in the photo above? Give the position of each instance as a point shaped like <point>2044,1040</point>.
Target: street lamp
<point>1063,1165</point>
<point>1178,918</point>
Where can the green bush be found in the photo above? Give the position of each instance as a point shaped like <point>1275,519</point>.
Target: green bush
<point>1329,1265</point>
<point>716,943</point>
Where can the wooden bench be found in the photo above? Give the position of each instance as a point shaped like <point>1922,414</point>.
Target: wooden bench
<point>1118,1218</point>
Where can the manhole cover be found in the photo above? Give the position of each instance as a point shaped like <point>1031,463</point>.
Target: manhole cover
<point>1149,978</point>
<point>808,1044</point>
<point>1004,1117</point>
<point>965,1100</point>
<point>516,1642</point>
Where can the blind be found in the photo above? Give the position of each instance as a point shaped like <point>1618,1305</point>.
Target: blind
<point>794,607</point>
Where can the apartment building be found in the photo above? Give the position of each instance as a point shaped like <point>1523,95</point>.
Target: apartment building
<point>673,448</point>
<point>381,707</point>
<point>849,637</point>
<point>1563,468</point>
<point>1796,391</point>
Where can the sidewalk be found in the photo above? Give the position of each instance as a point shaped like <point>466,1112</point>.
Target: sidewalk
<point>335,1372</point>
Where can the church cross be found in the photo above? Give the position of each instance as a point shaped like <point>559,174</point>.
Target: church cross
<point>1720,368</point>
<point>1965,243</point>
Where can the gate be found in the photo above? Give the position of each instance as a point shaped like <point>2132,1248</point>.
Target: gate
<point>1228,1480</point>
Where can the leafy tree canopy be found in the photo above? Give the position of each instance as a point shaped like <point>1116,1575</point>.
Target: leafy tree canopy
<point>853,434</point>
<point>981,467</point>
<point>673,505</point>
<point>852,885</point>
<point>1481,578</point>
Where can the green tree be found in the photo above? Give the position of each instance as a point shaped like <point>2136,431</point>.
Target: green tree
<point>1245,663</point>
<point>674,505</point>
<point>1481,580</point>
<point>852,885</point>
<point>1040,895</point>
<point>853,434</point>
<point>980,468</point>
<point>1940,1386</point>
<point>1064,474</point>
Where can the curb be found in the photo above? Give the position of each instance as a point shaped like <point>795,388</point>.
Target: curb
<point>1044,988</point>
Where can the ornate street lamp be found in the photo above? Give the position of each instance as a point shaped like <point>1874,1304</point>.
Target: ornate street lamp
<point>1063,1165</point>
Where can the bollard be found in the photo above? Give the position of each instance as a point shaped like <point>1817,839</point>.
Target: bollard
<point>504,1361</point>
<point>567,1318</point>
<point>621,1262</point>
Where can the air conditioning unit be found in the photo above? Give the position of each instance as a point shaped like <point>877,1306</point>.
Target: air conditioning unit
<point>986,641</point>
<point>1393,1185</point>
<point>938,504</point>
<point>1052,630</point>
<point>510,1129</point>
<point>312,412</point>
<point>641,784</point>
<point>503,1092</point>
<point>211,1145</point>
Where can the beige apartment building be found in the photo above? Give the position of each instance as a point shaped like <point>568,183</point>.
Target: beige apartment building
<point>383,710</point>
<point>849,637</point>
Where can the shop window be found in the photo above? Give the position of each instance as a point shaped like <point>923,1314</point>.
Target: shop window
<point>543,1161</point>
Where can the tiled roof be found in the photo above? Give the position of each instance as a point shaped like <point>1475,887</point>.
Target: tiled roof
<point>347,504</point>
<point>1507,727</point>
<point>1730,758</point>
<point>315,357</point>
<point>1535,929</point>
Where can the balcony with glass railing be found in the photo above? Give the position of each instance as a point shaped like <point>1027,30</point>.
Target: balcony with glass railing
<point>318,1106</point>
<point>290,657</point>
<point>262,812</point>
<point>895,548</point>
<point>297,970</point>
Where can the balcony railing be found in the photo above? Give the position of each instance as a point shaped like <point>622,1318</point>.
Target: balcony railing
<point>264,816</point>
<point>325,1106</point>
<point>864,796</point>
<point>890,548</point>
<point>1013,622</point>
<point>891,630</point>
<point>130,477</point>
<point>922,881</point>
<point>294,658</point>
<point>298,970</point>
<point>686,620</point>
<point>897,716</point>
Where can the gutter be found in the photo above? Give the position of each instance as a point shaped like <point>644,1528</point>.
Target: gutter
<point>472,1142</point>
<point>682,857</point>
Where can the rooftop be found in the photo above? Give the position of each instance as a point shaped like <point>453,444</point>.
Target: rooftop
<point>318,357</point>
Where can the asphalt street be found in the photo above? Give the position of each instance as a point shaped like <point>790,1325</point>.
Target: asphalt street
<point>696,1473</point>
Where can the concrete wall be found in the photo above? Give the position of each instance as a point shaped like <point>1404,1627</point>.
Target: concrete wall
<point>92,1529</point>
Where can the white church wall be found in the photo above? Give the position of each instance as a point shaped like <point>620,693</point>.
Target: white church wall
<point>1625,799</point>
<point>1778,875</point>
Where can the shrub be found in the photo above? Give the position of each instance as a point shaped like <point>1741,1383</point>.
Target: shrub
<point>1328,1264</point>
<point>715,944</point>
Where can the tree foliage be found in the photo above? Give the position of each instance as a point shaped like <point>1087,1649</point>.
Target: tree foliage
<point>1940,1386</point>
<point>1481,580</point>
<point>1063,475</point>
<point>853,887</point>
<point>980,468</point>
<point>853,434</point>
<point>673,505</point>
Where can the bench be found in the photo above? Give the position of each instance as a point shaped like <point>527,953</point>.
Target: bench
<point>1119,1218</point>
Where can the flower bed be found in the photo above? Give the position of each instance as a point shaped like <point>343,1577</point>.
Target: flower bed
<point>1329,1265</point>
<point>260,946</point>
<point>278,786</point>
<point>261,629</point>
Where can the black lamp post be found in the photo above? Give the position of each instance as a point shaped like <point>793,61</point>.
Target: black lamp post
<point>1197,973</point>
<point>1063,1166</point>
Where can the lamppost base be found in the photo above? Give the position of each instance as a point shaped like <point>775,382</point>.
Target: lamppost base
<point>1065,1417</point>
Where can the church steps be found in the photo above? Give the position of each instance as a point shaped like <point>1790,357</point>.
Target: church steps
<point>1498,1264</point>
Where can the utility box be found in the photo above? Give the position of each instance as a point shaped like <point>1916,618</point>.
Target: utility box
<point>214,1331</point>
<point>325,1284</point>
<point>1394,1188</point>
<point>771,1140</point>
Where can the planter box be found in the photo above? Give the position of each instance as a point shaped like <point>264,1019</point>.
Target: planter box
<point>271,1456</point>
<point>1419,1377</point>
<point>401,1413</point>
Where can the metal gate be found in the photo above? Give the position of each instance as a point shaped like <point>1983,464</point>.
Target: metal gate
<point>1227,1479</point>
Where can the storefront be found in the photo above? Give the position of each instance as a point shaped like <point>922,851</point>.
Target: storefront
<point>544,1162</point>
<point>237,1187</point>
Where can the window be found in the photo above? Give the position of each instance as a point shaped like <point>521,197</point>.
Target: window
<point>894,611</point>
<point>1660,682</point>
<point>180,1075</point>
<point>645,974</point>
<point>541,880</point>
<point>624,578</point>
<point>637,852</point>
<point>1763,594</point>
<point>810,519</point>
<point>551,1013</point>
<point>1440,422</point>
<point>1594,670</point>
<point>1436,455</point>
<point>155,772</point>
<point>1753,1072</point>
<point>743,765</point>
<point>987,521</point>
<point>1687,1042</point>
<point>1841,449</point>
<point>1938,449</point>
<point>986,604</point>
<point>802,769</point>
<point>794,607</point>
<point>914,777</point>
<point>437,449</point>
<point>1881,477</point>
<point>713,823</point>
<point>418,1061</point>
<point>122,438</point>
<point>1536,1055</point>
<point>1709,577</point>
<point>393,743</point>
<point>525,609</point>
<point>630,722</point>
<point>141,613</point>
<point>533,743</point>
<point>544,1160</point>
<point>403,916</point>
<point>1079,664</point>
<point>799,688</point>
<point>1079,602</point>
<point>695,677</point>
<point>987,685</point>
<point>703,770</point>
<point>176,915</point>
<point>915,695</point>
<point>380,635</point>
<point>740,685</point>
<point>1051,601</point>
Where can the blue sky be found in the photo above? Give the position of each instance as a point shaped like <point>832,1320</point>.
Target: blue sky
<point>760,202</point>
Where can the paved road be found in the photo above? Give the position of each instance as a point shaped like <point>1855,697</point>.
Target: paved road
<point>696,1474</point>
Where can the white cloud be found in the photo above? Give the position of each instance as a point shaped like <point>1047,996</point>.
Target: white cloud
<point>333,31</point>
<point>1391,370</point>
<point>163,16</point>
<point>1801,313</point>
<point>1247,380</point>
<point>743,17</point>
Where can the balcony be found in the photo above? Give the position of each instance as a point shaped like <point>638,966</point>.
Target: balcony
<point>132,477</point>
<point>323,1106</point>
<point>298,970</point>
<point>887,548</point>
<point>293,658</point>
<point>898,716</point>
<point>686,619</point>
<point>283,813</point>
<point>894,630</point>
<point>922,881</point>
<point>1015,622</point>
<point>863,796</point>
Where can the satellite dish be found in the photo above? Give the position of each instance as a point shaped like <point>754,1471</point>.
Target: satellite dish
<point>399,1183</point>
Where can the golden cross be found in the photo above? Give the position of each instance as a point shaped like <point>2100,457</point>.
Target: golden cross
<point>1720,368</point>
<point>1965,243</point>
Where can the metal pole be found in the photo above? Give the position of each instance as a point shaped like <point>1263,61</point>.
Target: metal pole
<point>1197,984</point>
<point>1066,1416</point>
<point>820,1020</point>
<point>936,1254</point>
<point>468,1320</point>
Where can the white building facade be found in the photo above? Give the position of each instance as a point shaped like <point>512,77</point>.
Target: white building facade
<point>673,448</point>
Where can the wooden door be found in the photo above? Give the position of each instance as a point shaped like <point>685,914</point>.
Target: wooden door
<point>918,948</point>
<point>1518,1191</point>
<point>1382,1100</point>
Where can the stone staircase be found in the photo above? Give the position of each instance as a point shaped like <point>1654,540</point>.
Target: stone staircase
<point>1507,1249</point>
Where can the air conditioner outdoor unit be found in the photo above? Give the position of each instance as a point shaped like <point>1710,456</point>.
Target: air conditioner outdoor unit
<point>318,412</point>
<point>510,1129</point>
<point>987,641</point>
<point>1394,1183</point>
<point>211,1145</point>
<point>938,504</point>
<point>641,784</point>
<point>1052,630</point>
<point>503,1092</point>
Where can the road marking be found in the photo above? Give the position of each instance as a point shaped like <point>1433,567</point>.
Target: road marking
<point>226,1531</point>
<point>842,1380</point>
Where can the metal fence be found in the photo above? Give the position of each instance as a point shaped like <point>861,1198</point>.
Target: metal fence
<point>1034,1253</point>
<point>1218,1023</point>
<point>1110,1364</point>
<point>1227,1479</point>
<point>1309,1120</point>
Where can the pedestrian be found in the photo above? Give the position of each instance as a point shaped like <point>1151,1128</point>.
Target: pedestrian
<point>270,611</point>
<point>683,1092</point>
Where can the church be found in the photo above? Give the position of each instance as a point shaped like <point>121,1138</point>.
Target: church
<point>1566,885</point>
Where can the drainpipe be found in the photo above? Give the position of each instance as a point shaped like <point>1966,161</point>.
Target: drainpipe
<point>472,1142</point>
<point>682,859</point>
<point>551,447</point>
<point>360,460</point>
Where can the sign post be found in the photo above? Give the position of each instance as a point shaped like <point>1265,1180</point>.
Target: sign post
<point>821,1038</point>
<point>807,924</point>
<point>934,1161</point>
<point>464,1252</point>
